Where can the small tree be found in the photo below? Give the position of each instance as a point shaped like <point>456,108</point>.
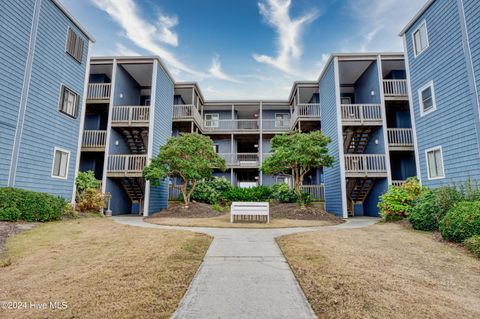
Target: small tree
<point>297,154</point>
<point>190,157</point>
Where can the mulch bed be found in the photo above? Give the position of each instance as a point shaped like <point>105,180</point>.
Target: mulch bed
<point>277,211</point>
<point>194,210</point>
<point>8,229</point>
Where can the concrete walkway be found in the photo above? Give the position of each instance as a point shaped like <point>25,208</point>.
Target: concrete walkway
<point>244,274</point>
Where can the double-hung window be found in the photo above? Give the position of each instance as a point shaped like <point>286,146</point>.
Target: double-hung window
<point>69,101</point>
<point>420,39</point>
<point>435,167</point>
<point>426,96</point>
<point>60,163</point>
<point>212,120</point>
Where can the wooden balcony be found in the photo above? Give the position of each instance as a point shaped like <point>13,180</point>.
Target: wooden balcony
<point>309,111</point>
<point>361,114</point>
<point>371,165</point>
<point>99,92</point>
<point>276,125</point>
<point>130,116</point>
<point>94,140</point>
<point>395,89</point>
<point>126,165</point>
<point>400,139</point>
<point>317,192</point>
<point>229,126</point>
<point>241,160</point>
<point>187,112</point>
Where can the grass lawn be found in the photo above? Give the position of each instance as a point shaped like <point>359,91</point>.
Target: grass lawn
<point>100,269</point>
<point>224,222</point>
<point>384,271</point>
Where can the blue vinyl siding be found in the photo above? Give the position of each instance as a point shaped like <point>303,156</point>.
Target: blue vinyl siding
<point>367,84</point>
<point>472,17</point>
<point>127,90</point>
<point>162,128</point>
<point>329,113</point>
<point>370,205</point>
<point>452,125</point>
<point>44,126</point>
<point>14,41</point>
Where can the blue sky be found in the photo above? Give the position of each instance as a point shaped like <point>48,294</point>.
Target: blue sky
<point>243,49</point>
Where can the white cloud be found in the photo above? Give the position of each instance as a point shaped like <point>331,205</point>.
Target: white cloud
<point>289,32</point>
<point>380,21</point>
<point>145,35</point>
<point>123,50</point>
<point>217,72</point>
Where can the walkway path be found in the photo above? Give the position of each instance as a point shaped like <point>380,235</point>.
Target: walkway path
<point>244,274</point>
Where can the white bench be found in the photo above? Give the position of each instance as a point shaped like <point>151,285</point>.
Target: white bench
<point>250,211</point>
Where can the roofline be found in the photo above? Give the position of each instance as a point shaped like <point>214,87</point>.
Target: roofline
<point>246,102</point>
<point>416,17</point>
<point>133,59</point>
<point>73,19</point>
<point>358,56</point>
<point>195,85</point>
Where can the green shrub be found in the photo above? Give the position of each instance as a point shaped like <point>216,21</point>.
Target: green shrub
<point>283,193</point>
<point>86,180</point>
<point>217,208</point>
<point>424,216</point>
<point>473,244</point>
<point>432,206</point>
<point>470,190</point>
<point>307,198</point>
<point>397,203</point>
<point>211,191</point>
<point>18,204</point>
<point>254,194</point>
<point>461,222</point>
<point>91,201</point>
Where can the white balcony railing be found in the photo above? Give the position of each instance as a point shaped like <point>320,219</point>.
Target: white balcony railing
<point>98,91</point>
<point>365,164</point>
<point>400,137</point>
<point>126,164</point>
<point>361,113</point>
<point>241,159</point>
<point>128,115</point>
<point>183,111</point>
<point>230,125</point>
<point>317,192</point>
<point>94,139</point>
<point>395,88</point>
<point>282,125</point>
<point>310,110</point>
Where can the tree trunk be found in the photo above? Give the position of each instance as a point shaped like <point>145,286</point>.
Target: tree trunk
<point>186,198</point>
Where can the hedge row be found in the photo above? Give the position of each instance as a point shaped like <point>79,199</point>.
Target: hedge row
<point>18,204</point>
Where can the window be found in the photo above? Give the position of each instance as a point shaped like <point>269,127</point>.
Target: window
<point>60,163</point>
<point>434,158</point>
<point>420,39</point>
<point>74,45</point>
<point>426,96</point>
<point>345,100</point>
<point>216,148</point>
<point>212,120</point>
<point>69,101</point>
<point>282,120</point>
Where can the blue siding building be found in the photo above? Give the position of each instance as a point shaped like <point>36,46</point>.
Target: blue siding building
<point>128,117</point>
<point>43,64</point>
<point>442,46</point>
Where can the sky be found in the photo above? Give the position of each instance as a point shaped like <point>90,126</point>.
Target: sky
<point>243,49</point>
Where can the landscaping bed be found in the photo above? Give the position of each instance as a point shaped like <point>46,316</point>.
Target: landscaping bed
<point>383,271</point>
<point>100,269</point>
<point>282,215</point>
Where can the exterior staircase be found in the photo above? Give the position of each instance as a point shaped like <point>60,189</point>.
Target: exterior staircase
<point>355,140</point>
<point>137,140</point>
<point>358,190</point>
<point>135,189</point>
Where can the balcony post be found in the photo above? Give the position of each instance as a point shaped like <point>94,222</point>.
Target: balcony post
<point>260,144</point>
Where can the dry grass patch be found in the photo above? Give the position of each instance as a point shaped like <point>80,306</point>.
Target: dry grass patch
<point>100,269</point>
<point>223,221</point>
<point>384,271</point>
